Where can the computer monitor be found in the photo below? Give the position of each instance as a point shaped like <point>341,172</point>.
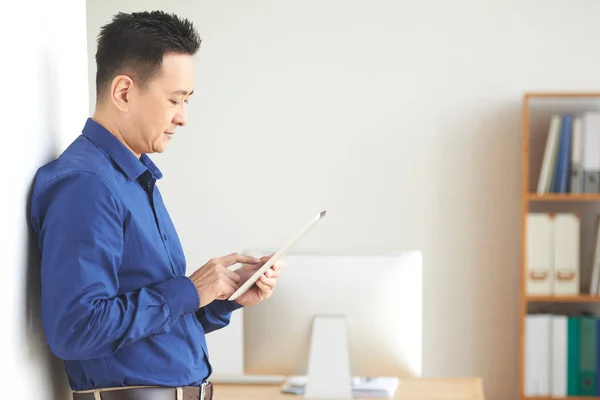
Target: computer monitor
<point>377,299</point>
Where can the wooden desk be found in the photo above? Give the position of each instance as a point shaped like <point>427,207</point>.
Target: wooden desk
<point>417,389</point>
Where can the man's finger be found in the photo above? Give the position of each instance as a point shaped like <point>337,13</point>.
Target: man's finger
<point>231,284</point>
<point>266,258</point>
<point>278,265</point>
<point>235,258</point>
<point>227,289</point>
<point>268,282</point>
<point>273,274</point>
<point>264,288</point>
<point>232,275</point>
<point>253,267</point>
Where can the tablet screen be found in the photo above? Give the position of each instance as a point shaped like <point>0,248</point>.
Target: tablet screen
<point>252,280</point>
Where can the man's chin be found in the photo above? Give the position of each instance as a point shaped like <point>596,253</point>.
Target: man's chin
<point>160,147</point>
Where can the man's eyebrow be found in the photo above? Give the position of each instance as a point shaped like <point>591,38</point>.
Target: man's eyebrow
<point>183,92</point>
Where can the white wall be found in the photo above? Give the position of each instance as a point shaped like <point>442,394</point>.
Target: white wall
<point>43,106</point>
<point>402,118</point>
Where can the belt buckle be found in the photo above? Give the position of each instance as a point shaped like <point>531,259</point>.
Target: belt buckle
<point>202,392</point>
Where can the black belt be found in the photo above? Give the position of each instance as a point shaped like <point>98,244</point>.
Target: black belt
<point>204,392</point>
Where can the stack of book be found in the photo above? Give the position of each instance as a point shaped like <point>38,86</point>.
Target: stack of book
<point>571,162</point>
<point>562,354</point>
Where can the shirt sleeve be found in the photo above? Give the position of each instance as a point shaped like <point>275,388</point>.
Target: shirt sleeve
<point>79,226</point>
<point>216,315</point>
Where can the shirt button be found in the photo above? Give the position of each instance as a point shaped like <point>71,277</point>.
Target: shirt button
<point>165,237</point>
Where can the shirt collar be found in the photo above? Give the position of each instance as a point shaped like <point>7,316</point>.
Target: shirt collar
<point>131,166</point>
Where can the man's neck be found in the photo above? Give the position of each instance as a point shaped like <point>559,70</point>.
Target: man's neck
<point>104,118</point>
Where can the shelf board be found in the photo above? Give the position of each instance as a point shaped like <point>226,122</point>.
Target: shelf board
<point>560,398</point>
<point>583,298</point>
<point>564,197</point>
<point>559,95</point>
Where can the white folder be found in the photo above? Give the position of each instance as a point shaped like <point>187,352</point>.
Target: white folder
<point>544,346</point>
<point>566,254</point>
<point>539,254</point>
<point>538,362</point>
<point>558,356</point>
<point>591,151</point>
<point>595,280</point>
<point>531,356</point>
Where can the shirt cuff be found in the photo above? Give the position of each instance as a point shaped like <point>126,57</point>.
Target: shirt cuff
<point>181,295</point>
<point>222,307</point>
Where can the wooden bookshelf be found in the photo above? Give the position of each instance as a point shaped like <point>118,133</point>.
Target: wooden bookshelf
<point>562,398</point>
<point>531,201</point>
<point>584,298</point>
<point>563,197</point>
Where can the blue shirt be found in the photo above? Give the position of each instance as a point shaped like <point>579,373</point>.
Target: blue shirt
<point>115,303</point>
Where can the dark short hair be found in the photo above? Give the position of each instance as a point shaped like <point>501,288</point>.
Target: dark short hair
<point>136,43</point>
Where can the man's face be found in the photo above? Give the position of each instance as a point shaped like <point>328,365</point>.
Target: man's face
<point>155,111</point>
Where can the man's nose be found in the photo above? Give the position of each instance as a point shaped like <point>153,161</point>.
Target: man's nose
<point>181,116</point>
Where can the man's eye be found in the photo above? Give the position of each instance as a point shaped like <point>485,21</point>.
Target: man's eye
<point>174,102</point>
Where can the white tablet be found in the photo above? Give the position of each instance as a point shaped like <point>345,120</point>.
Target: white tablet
<point>252,280</point>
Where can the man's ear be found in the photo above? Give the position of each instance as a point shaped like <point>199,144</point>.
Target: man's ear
<point>120,90</point>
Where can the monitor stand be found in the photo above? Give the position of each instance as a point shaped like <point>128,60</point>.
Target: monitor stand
<point>329,374</point>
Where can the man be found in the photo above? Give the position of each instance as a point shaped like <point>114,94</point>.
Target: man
<point>116,303</point>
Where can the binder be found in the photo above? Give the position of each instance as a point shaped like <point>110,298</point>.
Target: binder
<point>558,356</point>
<point>539,254</point>
<point>544,346</point>
<point>532,364</point>
<point>538,355</point>
<point>595,280</point>
<point>549,161</point>
<point>576,155</point>
<point>566,249</point>
<point>587,356</point>
<point>591,151</point>
<point>562,175</point>
<point>573,328</point>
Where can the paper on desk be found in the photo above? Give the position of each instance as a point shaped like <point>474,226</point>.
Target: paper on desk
<point>377,387</point>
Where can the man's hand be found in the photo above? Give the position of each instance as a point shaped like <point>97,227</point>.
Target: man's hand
<point>215,281</point>
<point>264,286</point>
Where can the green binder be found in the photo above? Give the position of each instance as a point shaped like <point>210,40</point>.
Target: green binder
<point>573,355</point>
<point>587,356</point>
